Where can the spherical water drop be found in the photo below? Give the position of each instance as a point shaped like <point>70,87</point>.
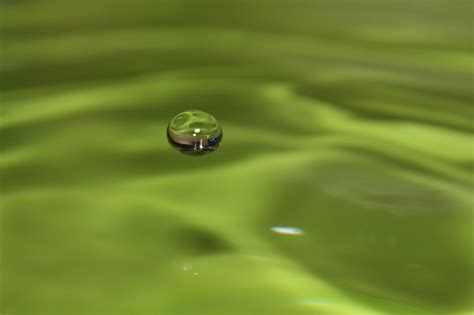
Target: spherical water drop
<point>195,133</point>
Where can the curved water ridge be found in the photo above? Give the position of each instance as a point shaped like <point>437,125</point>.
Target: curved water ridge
<point>343,186</point>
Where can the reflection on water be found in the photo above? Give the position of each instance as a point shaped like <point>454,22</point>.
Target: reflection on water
<point>380,234</point>
<point>344,186</point>
<point>287,230</point>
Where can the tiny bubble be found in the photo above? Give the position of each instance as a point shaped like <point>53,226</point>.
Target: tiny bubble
<point>187,267</point>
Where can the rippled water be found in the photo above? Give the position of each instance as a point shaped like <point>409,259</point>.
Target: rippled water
<point>343,185</point>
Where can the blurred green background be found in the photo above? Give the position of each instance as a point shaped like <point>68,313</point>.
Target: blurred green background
<point>350,120</point>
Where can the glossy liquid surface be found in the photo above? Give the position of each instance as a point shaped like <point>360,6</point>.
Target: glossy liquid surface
<point>343,187</point>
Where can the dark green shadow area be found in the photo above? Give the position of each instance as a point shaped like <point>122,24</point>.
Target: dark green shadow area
<point>76,254</point>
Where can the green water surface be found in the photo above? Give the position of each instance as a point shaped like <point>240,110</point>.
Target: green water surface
<point>350,120</point>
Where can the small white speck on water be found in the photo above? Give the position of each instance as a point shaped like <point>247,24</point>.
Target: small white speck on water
<point>287,230</point>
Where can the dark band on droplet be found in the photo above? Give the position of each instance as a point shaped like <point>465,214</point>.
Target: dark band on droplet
<point>194,146</point>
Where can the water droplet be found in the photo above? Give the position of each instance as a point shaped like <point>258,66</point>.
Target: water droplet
<point>195,133</point>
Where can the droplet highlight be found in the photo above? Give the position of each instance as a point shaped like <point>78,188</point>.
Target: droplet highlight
<point>194,133</point>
